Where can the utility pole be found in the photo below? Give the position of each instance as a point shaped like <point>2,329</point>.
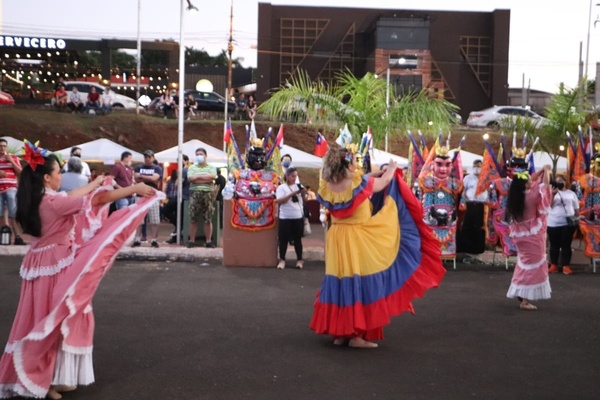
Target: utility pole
<point>229,51</point>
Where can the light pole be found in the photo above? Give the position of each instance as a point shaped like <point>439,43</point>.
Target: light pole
<point>189,7</point>
<point>387,107</point>
<point>587,46</point>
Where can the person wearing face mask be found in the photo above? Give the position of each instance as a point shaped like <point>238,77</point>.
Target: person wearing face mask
<point>560,234</point>
<point>471,236</point>
<point>123,175</point>
<point>201,176</point>
<point>85,170</point>
<point>286,162</point>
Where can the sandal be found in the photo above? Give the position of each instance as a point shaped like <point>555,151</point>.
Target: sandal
<point>299,264</point>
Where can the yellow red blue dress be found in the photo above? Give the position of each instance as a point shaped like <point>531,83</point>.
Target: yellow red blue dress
<point>375,264</point>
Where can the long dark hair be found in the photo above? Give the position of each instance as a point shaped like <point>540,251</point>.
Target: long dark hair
<point>515,204</point>
<point>30,192</point>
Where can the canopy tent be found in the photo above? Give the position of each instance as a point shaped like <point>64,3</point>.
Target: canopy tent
<point>301,159</point>
<point>383,157</point>
<point>14,146</point>
<point>541,158</point>
<point>101,150</point>
<point>215,157</point>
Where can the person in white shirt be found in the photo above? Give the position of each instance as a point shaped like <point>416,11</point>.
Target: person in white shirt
<point>76,152</point>
<point>107,100</point>
<point>560,233</point>
<point>291,216</point>
<point>472,233</point>
<point>75,100</point>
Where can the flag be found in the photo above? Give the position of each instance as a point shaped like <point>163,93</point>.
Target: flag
<point>227,134</point>
<point>321,145</point>
<point>278,142</point>
<point>366,142</point>
<point>489,171</point>
<point>428,164</point>
<point>345,137</point>
<point>253,131</point>
<point>579,169</point>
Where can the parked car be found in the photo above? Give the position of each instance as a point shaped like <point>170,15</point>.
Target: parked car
<point>492,116</point>
<point>6,99</point>
<point>209,101</point>
<point>119,100</point>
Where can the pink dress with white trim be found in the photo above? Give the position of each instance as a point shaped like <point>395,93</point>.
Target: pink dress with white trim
<point>530,278</point>
<point>51,339</point>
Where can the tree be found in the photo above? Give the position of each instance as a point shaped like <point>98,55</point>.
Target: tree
<point>360,103</point>
<point>566,111</point>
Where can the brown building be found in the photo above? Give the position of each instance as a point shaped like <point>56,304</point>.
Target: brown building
<point>462,56</point>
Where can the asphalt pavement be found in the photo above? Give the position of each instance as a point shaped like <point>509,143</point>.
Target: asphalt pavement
<point>199,330</point>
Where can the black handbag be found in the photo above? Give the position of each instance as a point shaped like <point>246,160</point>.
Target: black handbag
<point>572,220</point>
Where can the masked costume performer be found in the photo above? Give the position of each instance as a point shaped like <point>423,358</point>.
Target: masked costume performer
<point>375,264</point>
<point>590,208</point>
<point>440,190</point>
<point>73,245</point>
<point>528,206</point>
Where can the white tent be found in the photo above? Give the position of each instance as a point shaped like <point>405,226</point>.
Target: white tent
<point>301,159</point>
<point>467,158</point>
<point>541,158</point>
<point>14,146</point>
<point>383,157</point>
<point>215,156</point>
<point>101,150</point>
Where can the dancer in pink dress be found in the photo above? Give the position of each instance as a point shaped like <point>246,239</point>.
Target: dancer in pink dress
<point>528,205</point>
<point>73,245</point>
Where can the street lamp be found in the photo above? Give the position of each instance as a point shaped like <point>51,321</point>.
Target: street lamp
<point>139,60</point>
<point>189,7</point>
<point>587,46</point>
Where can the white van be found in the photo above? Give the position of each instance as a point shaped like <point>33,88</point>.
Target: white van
<point>119,100</point>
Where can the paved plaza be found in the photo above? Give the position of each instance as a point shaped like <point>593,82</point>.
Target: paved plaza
<point>199,330</point>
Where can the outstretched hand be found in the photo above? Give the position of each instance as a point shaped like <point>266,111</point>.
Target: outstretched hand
<point>141,189</point>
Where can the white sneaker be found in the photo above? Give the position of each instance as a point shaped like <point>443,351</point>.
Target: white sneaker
<point>281,264</point>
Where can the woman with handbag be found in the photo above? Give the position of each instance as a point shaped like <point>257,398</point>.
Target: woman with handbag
<point>291,216</point>
<point>562,224</point>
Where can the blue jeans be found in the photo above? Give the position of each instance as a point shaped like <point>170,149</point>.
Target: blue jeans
<point>8,199</point>
<point>124,202</point>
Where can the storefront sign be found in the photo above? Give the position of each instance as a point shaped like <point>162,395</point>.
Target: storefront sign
<point>32,42</point>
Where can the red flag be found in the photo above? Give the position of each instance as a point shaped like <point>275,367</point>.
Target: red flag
<point>321,145</point>
<point>489,173</point>
<point>579,168</point>
<point>279,137</point>
<point>227,135</point>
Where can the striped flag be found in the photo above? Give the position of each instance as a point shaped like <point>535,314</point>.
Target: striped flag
<point>321,145</point>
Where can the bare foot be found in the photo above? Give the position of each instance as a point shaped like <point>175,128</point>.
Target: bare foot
<point>53,394</point>
<point>360,343</point>
<point>527,307</point>
<point>64,388</point>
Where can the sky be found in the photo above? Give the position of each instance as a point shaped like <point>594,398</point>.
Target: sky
<point>544,47</point>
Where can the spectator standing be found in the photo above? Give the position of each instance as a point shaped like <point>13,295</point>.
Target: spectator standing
<point>122,173</point>
<point>291,217</point>
<point>150,174</point>
<point>170,207</point>
<point>252,106</point>
<point>201,176</point>
<point>72,179</point>
<point>471,236</point>
<point>10,169</point>
<point>241,106</point>
<point>75,100</point>
<point>220,183</point>
<point>93,100</point>
<point>107,100</point>
<point>560,234</point>
<point>85,168</point>
<point>286,162</point>
<point>190,105</point>
<point>310,195</point>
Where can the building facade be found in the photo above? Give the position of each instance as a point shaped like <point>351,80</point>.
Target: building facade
<point>459,56</point>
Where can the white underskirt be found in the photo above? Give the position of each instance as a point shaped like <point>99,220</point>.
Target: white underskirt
<point>73,369</point>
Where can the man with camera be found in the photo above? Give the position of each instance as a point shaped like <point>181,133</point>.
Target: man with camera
<point>291,216</point>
